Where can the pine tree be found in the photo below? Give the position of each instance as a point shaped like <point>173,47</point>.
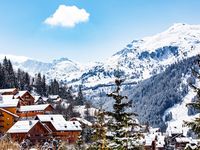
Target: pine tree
<point>80,99</point>
<point>44,88</point>
<point>123,127</point>
<point>195,125</point>
<point>99,132</point>
<point>38,84</point>
<point>2,77</point>
<point>9,74</point>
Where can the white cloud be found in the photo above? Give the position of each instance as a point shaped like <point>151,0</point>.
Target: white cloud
<point>67,16</point>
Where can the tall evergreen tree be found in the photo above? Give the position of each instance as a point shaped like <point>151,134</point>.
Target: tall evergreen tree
<point>80,99</point>
<point>44,88</point>
<point>2,77</point>
<point>38,84</point>
<point>99,132</point>
<point>9,74</point>
<point>195,125</point>
<point>123,127</point>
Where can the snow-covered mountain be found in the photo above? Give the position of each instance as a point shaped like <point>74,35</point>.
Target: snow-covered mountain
<point>143,58</point>
<point>139,60</point>
<point>136,62</point>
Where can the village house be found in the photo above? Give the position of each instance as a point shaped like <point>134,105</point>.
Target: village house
<point>154,140</point>
<point>30,111</point>
<point>11,91</point>
<point>61,129</point>
<point>25,98</point>
<point>40,100</point>
<point>8,109</point>
<point>55,99</point>
<point>181,142</point>
<point>33,130</point>
<point>82,121</point>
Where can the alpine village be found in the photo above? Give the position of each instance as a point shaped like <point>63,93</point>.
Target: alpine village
<point>37,115</point>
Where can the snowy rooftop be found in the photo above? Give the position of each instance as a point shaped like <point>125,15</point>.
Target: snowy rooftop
<point>22,126</point>
<point>54,96</point>
<point>7,90</point>
<point>20,94</point>
<point>37,98</point>
<point>81,120</point>
<point>60,123</point>
<point>8,112</point>
<point>182,140</point>
<point>8,101</point>
<point>34,107</point>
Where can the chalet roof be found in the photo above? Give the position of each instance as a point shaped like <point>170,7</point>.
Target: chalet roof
<point>22,126</point>
<point>161,141</point>
<point>81,120</point>
<point>53,117</point>
<point>34,107</point>
<point>37,98</point>
<point>20,94</point>
<point>59,123</point>
<point>7,90</point>
<point>54,96</point>
<point>182,140</point>
<point>8,112</point>
<point>8,101</point>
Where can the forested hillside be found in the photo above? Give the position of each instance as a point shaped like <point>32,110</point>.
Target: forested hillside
<point>153,96</point>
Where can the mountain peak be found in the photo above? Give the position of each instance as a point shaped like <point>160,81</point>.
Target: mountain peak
<point>55,61</point>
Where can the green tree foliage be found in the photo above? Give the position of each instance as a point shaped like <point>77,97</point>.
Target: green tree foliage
<point>195,125</point>
<point>99,132</point>
<point>122,127</point>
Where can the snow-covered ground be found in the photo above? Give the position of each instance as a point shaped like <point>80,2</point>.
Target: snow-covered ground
<point>180,114</point>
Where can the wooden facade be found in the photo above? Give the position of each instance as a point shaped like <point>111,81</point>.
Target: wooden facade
<point>12,91</point>
<point>33,113</point>
<point>36,134</point>
<point>8,118</point>
<point>69,136</point>
<point>26,98</point>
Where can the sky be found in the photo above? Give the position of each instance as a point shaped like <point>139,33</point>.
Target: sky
<point>85,30</point>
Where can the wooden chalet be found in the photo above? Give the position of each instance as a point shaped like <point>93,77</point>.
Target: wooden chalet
<point>31,111</point>
<point>61,129</point>
<point>40,100</point>
<point>181,142</point>
<point>25,98</point>
<point>83,122</point>
<point>33,130</point>
<point>55,99</point>
<point>11,91</point>
<point>154,140</point>
<point>8,109</point>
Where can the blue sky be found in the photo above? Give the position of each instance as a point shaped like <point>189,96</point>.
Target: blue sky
<point>107,27</point>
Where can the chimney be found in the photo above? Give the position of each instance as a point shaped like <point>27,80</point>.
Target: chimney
<point>30,122</point>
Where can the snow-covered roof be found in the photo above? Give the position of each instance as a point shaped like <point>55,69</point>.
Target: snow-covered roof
<point>8,101</point>
<point>22,126</point>
<point>33,107</point>
<point>37,98</point>
<point>54,96</point>
<point>7,90</point>
<point>59,123</point>
<point>20,94</point>
<point>8,112</point>
<point>182,140</point>
<point>81,120</point>
<point>53,117</point>
<point>161,141</point>
<point>67,126</point>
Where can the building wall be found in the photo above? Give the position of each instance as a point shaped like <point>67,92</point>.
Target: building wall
<point>27,99</point>
<point>36,134</point>
<point>6,121</point>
